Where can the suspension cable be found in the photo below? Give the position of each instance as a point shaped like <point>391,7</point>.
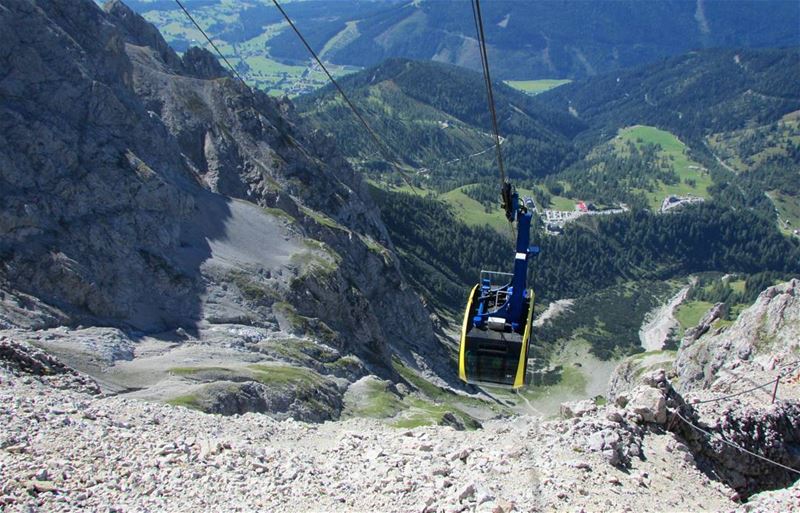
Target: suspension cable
<point>478,18</point>
<point>197,25</point>
<point>382,147</point>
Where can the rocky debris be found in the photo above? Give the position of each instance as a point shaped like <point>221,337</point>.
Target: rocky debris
<point>649,404</point>
<point>786,500</point>
<point>772,432</point>
<point>728,376</point>
<point>628,373</point>
<point>660,323</point>
<point>617,441</point>
<point>610,432</point>
<point>577,408</point>
<point>22,359</point>
<point>98,453</point>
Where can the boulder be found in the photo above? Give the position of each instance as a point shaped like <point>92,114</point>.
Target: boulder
<point>576,409</point>
<point>649,403</point>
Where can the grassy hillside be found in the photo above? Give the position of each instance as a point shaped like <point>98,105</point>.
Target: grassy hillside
<point>434,118</point>
<point>693,95</point>
<point>748,148</point>
<point>766,159</point>
<point>693,178</point>
<point>640,166</point>
<point>534,87</point>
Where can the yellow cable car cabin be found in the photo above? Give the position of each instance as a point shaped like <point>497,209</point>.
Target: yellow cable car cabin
<point>496,332</point>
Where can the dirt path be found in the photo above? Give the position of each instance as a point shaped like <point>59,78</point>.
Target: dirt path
<point>660,322</point>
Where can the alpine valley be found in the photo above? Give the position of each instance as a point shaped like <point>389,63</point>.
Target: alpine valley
<point>219,291</point>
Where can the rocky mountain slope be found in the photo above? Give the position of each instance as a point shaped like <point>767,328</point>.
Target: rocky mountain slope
<point>170,230</point>
<point>728,374</point>
<point>644,448</point>
<point>167,234</point>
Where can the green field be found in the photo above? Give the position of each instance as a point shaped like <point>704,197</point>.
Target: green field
<point>737,285</point>
<point>534,87</point>
<point>674,150</point>
<point>689,313</point>
<point>472,212</point>
<point>251,58</point>
<point>562,203</point>
<point>788,208</point>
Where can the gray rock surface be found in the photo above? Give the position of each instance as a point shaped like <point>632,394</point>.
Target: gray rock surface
<point>91,453</point>
<point>154,193</point>
<point>648,403</point>
<point>764,339</point>
<point>20,359</point>
<point>628,374</point>
<point>715,312</point>
<point>577,408</point>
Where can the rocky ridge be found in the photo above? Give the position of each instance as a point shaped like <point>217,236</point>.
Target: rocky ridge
<point>727,376</point>
<point>183,239</point>
<point>644,448</point>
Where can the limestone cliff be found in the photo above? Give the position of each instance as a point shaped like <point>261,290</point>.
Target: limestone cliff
<point>724,379</point>
<point>764,338</point>
<point>157,198</point>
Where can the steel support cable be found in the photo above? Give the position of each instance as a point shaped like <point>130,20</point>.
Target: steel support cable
<point>373,135</point>
<point>480,46</point>
<point>736,393</point>
<point>381,146</point>
<point>197,25</point>
<point>771,382</point>
<point>476,13</point>
<point>735,445</point>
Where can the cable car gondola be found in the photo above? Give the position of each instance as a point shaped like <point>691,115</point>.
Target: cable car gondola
<point>496,331</point>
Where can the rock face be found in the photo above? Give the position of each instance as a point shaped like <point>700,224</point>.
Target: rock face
<point>722,437</point>
<point>764,337</point>
<point>715,312</point>
<point>85,221</point>
<point>155,193</point>
<point>629,372</point>
<point>727,376</point>
<point>22,359</point>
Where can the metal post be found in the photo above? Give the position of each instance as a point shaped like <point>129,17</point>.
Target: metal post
<point>775,389</point>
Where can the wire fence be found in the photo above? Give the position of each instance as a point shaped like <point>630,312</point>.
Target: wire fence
<point>781,374</point>
<point>783,371</point>
<point>735,445</point>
